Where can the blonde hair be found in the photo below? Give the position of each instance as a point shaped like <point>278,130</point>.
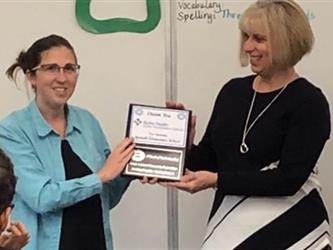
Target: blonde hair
<point>286,26</point>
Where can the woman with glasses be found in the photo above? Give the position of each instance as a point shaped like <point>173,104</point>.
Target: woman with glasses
<point>68,179</point>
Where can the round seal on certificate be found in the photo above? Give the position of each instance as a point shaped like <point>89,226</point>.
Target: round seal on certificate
<point>139,155</point>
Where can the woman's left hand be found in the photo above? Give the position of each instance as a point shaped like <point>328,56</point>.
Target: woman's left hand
<point>193,182</point>
<point>117,160</point>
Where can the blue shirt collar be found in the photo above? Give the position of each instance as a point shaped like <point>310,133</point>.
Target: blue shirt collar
<point>43,128</point>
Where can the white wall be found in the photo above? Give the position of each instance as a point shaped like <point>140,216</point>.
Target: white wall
<point>120,68</point>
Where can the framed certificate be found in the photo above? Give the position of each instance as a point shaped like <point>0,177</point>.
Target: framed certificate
<point>161,136</point>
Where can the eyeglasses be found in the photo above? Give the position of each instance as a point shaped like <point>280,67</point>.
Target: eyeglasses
<point>12,205</point>
<point>53,68</point>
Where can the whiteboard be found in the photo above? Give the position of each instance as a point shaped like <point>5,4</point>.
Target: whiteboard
<point>125,67</point>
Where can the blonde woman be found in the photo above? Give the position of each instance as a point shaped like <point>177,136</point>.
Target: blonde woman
<point>263,140</point>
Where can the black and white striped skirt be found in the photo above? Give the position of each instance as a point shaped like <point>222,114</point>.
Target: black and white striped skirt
<point>271,223</point>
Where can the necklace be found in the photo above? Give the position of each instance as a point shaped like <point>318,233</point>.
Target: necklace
<point>244,148</point>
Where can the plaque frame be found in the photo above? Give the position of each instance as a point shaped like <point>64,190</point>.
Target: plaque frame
<point>161,137</point>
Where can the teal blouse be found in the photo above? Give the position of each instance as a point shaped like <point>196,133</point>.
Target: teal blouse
<point>42,190</point>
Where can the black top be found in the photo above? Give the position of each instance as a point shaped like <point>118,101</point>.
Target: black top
<point>292,131</point>
<point>82,224</point>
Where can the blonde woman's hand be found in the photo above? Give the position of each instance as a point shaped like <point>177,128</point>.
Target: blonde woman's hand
<point>117,160</point>
<point>191,136</point>
<point>193,182</point>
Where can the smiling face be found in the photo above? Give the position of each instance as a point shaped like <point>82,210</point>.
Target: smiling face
<point>54,88</point>
<point>256,42</point>
<point>257,48</point>
<point>275,30</point>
